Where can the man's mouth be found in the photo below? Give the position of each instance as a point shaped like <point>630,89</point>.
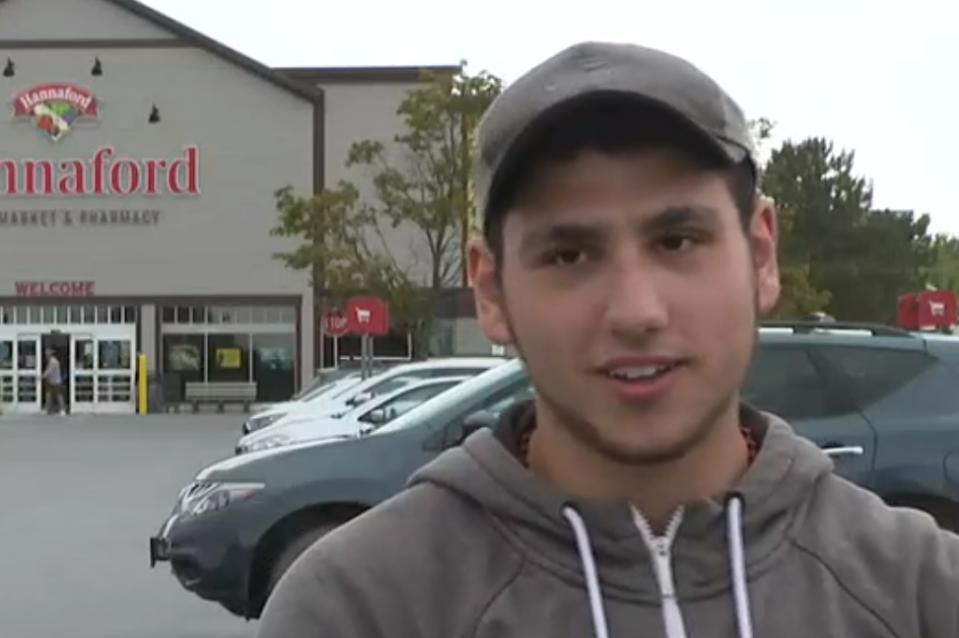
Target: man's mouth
<point>641,373</point>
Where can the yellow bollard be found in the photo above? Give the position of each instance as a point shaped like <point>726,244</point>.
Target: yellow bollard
<point>142,383</point>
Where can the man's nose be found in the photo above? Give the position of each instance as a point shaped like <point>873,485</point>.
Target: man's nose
<point>636,303</point>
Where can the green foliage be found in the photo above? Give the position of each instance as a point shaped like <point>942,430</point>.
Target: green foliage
<point>943,272</point>
<point>331,242</point>
<point>423,180</point>
<point>833,243</point>
<point>799,298</point>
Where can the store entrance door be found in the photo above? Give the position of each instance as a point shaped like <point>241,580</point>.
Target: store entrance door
<point>23,383</point>
<point>103,370</point>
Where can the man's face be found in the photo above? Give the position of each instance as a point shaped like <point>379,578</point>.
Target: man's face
<point>631,290</point>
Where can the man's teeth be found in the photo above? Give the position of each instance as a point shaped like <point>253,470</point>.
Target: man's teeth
<point>640,372</point>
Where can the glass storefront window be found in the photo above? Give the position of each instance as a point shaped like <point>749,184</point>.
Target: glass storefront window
<point>6,315</point>
<point>21,314</point>
<point>103,314</point>
<point>27,355</point>
<point>36,314</point>
<point>89,314</point>
<point>114,354</point>
<point>76,314</point>
<point>63,314</point>
<point>83,354</point>
<point>6,355</point>
<point>229,357</point>
<point>49,314</point>
<point>184,359</point>
<point>199,314</point>
<point>168,314</point>
<point>258,314</point>
<point>116,314</point>
<point>129,314</point>
<point>183,314</point>
<point>242,315</point>
<point>274,366</point>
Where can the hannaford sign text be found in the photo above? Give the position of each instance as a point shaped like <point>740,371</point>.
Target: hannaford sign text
<point>102,175</point>
<point>83,217</point>
<point>76,96</point>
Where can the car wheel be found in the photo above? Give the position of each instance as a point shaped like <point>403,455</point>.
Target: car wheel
<point>296,546</point>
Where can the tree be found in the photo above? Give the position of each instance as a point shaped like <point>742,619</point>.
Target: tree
<point>943,273</point>
<point>861,257</point>
<point>332,245</point>
<point>424,179</point>
<point>798,297</point>
<point>423,182</point>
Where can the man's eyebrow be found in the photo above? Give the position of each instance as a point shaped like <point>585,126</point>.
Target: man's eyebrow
<point>677,217</point>
<point>564,232</point>
<point>571,232</point>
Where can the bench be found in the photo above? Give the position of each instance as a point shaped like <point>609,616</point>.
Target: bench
<point>220,393</point>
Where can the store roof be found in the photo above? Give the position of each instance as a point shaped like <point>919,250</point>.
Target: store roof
<point>299,81</point>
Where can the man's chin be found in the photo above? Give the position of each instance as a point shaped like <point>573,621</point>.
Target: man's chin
<point>645,452</point>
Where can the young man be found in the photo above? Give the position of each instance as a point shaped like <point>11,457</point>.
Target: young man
<point>627,258</point>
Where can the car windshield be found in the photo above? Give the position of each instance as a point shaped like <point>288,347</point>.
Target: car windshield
<point>332,388</point>
<point>408,400</point>
<point>473,387</point>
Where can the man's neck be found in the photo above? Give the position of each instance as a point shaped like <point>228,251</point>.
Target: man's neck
<point>657,490</point>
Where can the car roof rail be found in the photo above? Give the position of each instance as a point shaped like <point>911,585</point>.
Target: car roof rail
<point>875,329</point>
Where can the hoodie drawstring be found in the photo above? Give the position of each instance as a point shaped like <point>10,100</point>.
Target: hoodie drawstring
<point>600,628</point>
<point>737,562</point>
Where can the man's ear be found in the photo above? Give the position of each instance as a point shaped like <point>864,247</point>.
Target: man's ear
<point>488,292</point>
<point>764,242</point>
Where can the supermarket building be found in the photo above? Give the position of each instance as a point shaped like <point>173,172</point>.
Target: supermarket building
<point>138,163</point>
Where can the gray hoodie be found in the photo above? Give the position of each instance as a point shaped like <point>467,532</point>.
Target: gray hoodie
<point>480,547</point>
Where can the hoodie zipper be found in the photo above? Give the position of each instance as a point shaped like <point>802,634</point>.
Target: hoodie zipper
<point>660,548</point>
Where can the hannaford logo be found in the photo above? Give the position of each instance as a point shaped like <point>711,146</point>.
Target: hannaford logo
<point>54,108</point>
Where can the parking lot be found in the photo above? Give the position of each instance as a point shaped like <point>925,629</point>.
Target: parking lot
<point>79,497</point>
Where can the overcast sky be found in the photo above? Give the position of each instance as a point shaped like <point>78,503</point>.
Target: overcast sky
<point>874,76</point>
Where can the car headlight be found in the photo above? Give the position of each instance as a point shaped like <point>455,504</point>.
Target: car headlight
<point>266,443</point>
<point>214,496</point>
<point>255,423</point>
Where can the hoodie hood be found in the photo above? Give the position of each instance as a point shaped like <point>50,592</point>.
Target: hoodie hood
<point>773,495</point>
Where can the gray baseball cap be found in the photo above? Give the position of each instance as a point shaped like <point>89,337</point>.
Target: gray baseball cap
<point>591,69</point>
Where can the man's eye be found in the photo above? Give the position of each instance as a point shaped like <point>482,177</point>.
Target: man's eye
<point>566,257</point>
<point>676,243</point>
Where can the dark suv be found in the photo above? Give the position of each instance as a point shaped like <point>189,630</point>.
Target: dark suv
<point>882,402</point>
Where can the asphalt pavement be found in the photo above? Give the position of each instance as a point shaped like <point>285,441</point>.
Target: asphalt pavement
<point>79,497</point>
